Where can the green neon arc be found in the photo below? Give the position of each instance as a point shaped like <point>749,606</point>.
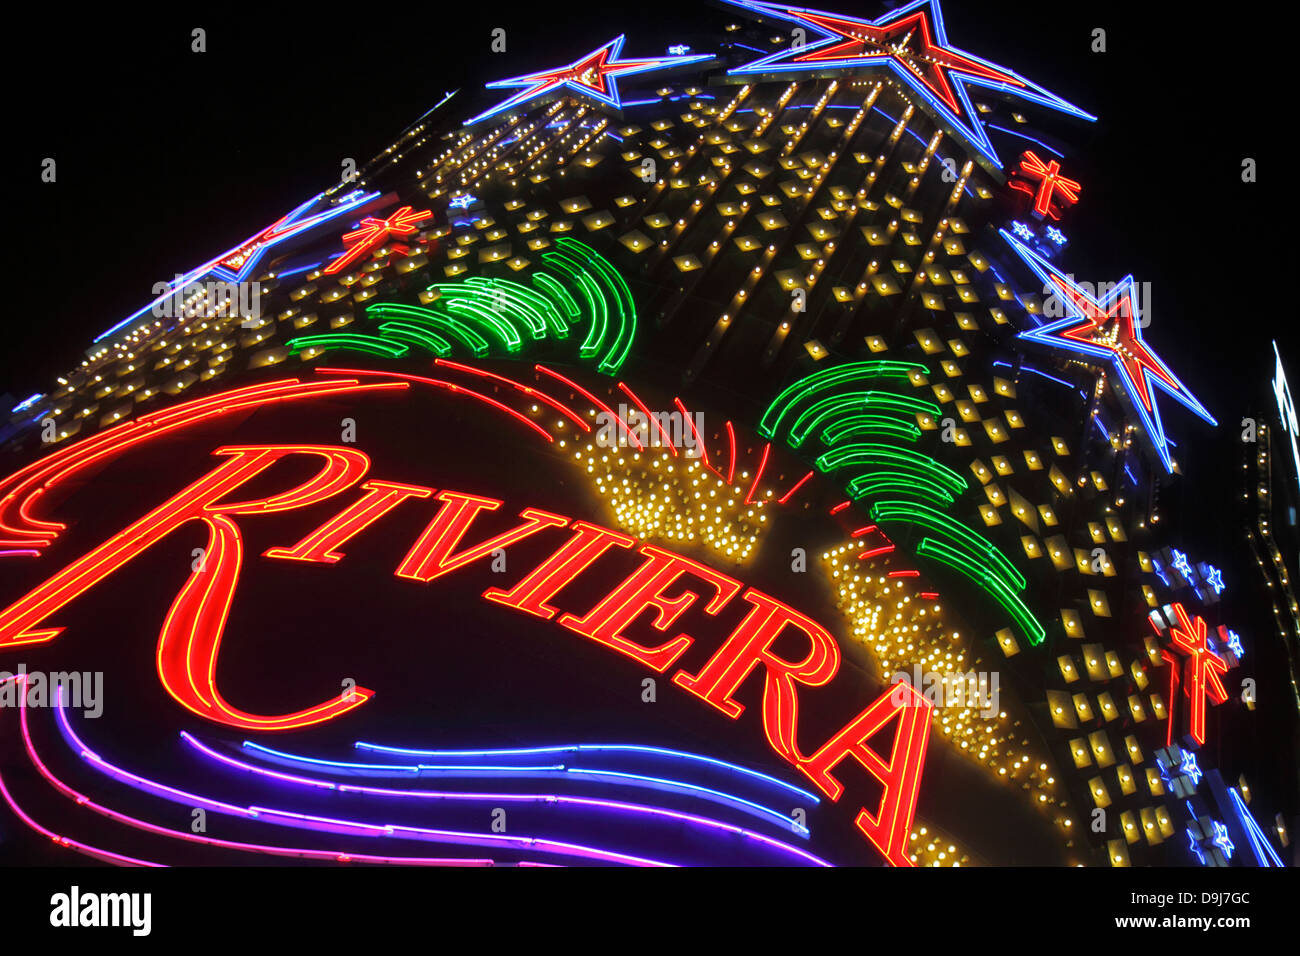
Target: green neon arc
<point>487,316</point>
<point>829,378</point>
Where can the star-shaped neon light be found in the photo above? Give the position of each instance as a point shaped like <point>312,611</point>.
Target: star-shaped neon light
<point>1110,330</point>
<point>1195,846</point>
<point>1215,579</point>
<point>594,75</point>
<point>1181,564</point>
<point>1221,839</point>
<point>1189,767</point>
<point>910,41</point>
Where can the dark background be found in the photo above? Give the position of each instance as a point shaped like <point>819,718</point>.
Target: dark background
<point>167,157</point>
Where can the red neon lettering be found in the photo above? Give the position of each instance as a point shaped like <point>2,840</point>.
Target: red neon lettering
<point>577,554</point>
<point>750,645</point>
<point>191,635</point>
<point>431,555</point>
<point>380,498</point>
<point>644,589</point>
<point>888,830</point>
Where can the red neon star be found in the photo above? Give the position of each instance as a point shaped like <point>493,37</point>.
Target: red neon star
<point>373,232</point>
<point>589,72</point>
<point>907,41</point>
<point>1112,328</point>
<point>1050,181</point>
<point>1202,670</point>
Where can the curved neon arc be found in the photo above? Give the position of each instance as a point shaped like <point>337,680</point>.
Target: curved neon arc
<point>556,770</point>
<point>549,799</point>
<point>324,824</point>
<point>594,748</point>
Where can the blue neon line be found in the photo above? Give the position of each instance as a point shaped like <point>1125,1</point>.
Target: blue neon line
<point>1256,834</point>
<point>294,272</point>
<point>627,779</point>
<point>591,748</point>
<point>1024,136</point>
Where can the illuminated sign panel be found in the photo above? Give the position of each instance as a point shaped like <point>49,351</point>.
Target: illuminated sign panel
<point>789,651</point>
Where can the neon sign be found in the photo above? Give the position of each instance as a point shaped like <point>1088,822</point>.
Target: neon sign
<point>594,75</point>
<point>190,639</point>
<point>1109,328</point>
<point>1050,182</point>
<point>374,232</point>
<point>913,44</point>
<point>1286,411</point>
<point>1201,670</point>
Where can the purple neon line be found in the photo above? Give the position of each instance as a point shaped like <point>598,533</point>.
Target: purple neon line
<point>594,748</point>
<point>20,553</point>
<point>107,856</point>
<point>609,776</point>
<point>499,797</point>
<point>339,856</point>
<point>322,824</point>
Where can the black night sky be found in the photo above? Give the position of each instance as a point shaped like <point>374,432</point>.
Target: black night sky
<point>167,157</point>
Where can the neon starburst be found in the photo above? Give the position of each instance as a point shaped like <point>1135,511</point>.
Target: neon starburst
<point>1108,330</point>
<point>911,42</point>
<point>594,76</point>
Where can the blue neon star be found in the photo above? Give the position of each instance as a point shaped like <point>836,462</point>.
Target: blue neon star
<point>1181,565</point>
<point>1056,235</point>
<point>1215,579</point>
<point>1234,644</point>
<point>1195,847</point>
<point>1110,330</point>
<point>1189,767</point>
<point>594,75</point>
<point>910,41</point>
<point>1221,839</point>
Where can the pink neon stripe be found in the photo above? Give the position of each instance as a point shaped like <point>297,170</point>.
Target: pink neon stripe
<point>700,438</point>
<point>526,389</point>
<point>758,474</point>
<point>883,549</point>
<point>591,398</point>
<point>731,464</point>
<point>797,485</point>
<point>646,412</point>
<point>338,856</point>
<point>106,855</point>
<point>451,387</point>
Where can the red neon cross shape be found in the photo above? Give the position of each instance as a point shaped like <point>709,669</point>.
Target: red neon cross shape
<point>1202,670</point>
<point>373,232</point>
<point>1050,181</point>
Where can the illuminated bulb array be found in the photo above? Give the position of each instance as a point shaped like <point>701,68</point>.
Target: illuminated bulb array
<point>928,847</point>
<point>903,631</point>
<point>675,499</point>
